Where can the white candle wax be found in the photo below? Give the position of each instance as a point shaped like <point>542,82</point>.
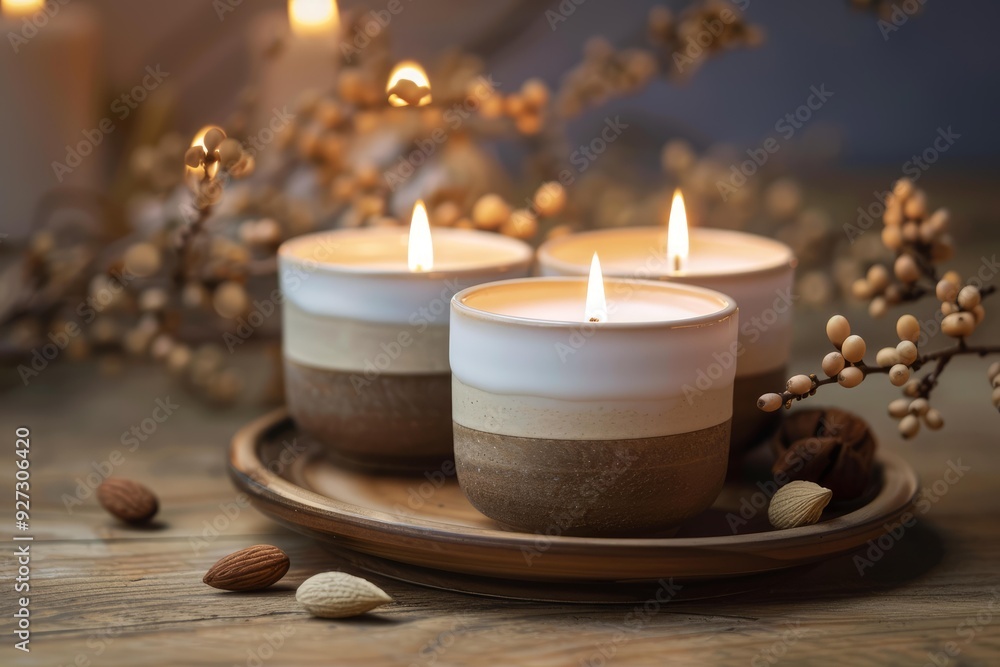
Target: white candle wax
<point>523,347</point>
<point>756,271</point>
<point>361,277</point>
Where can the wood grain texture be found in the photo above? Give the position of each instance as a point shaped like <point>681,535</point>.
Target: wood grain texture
<point>104,593</point>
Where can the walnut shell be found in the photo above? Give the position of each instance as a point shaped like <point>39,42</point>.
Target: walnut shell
<point>830,447</point>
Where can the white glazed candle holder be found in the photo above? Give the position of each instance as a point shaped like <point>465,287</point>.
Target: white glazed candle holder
<point>365,340</point>
<point>755,271</point>
<point>590,428</point>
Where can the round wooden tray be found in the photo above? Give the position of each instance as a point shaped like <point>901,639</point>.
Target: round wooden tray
<point>422,529</point>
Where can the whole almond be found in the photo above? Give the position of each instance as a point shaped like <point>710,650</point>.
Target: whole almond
<point>129,501</point>
<point>797,504</point>
<point>339,595</point>
<point>248,569</point>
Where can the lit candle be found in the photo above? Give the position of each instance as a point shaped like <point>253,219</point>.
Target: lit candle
<point>756,271</point>
<point>586,425</point>
<point>54,131</point>
<point>366,334</point>
<point>308,61</point>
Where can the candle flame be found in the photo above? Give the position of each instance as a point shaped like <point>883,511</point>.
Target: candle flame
<point>678,245</point>
<point>421,249</point>
<point>16,8</point>
<point>408,70</point>
<point>597,305</point>
<point>313,17</point>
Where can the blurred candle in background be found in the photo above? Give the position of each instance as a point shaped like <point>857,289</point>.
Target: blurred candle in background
<point>308,60</point>
<point>52,128</point>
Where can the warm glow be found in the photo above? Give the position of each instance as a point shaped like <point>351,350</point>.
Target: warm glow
<point>421,249</point>
<point>597,304</point>
<point>412,71</point>
<point>313,17</point>
<point>199,140</point>
<point>17,8</point>
<point>677,233</point>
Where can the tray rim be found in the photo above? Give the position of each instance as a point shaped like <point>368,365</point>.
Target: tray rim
<point>253,477</point>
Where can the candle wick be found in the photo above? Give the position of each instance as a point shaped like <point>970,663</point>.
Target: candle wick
<point>595,319</point>
<point>677,263</point>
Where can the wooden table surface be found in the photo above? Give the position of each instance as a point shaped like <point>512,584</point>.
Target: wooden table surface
<point>104,594</point>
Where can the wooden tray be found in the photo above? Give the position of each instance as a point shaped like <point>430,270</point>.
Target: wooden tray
<point>423,530</point>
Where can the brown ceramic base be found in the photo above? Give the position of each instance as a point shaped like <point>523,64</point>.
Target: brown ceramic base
<point>751,425</point>
<point>644,486</point>
<point>398,423</point>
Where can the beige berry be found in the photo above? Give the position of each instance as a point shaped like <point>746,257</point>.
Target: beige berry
<point>769,402</point>
<point>838,329</point>
<point>907,351</point>
<point>861,289</point>
<point>909,426</point>
<point>912,388</point>
<point>490,211</point>
<point>213,138</point>
<point>906,269</point>
<point>958,325</point>
<point>887,356</point>
<point>933,419</point>
<point>230,299</point>
<point>899,408</point>
<point>910,231</point>
<point>799,384</point>
<point>851,376</point>
<point>878,307</point>
<point>903,188</point>
<point>142,259</point>
<point>893,216</point>
<point>892,238</point>
<point>853,348</point>
<point>919,406</point>
<point>915,206</point>
<point>899,375</point>
<point>194,156</point>
<point>550,199</point>
<point>878,278</point>
<point>908,328</point>
<point>969,297</point>
<point>947,308</point>
<point>522,224</point>
<point>996,397</point>
<point>833,363</point>
<point>230,152</point>
<point>994,370</point>
<point>979,312</point>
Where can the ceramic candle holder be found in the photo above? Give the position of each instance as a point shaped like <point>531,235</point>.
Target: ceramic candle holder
<point>756,271</point>
<point>366,341</point>
<point>585,429</point>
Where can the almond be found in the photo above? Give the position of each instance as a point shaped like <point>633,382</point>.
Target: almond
<point>249,569</point>
<point>129,501</point>
<point>339,595</point>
